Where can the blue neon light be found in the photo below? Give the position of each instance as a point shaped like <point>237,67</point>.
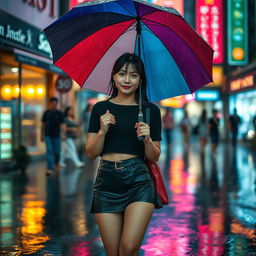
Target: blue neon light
<point>207,95</point>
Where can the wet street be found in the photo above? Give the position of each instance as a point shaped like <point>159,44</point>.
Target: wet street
<point>212,208</point>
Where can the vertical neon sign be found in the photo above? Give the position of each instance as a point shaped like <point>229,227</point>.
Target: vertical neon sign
<point>209,24</point>
<point>237,32</point>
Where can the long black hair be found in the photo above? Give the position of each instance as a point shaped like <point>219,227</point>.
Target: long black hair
<point>67,110</point>
<point>136,62</point>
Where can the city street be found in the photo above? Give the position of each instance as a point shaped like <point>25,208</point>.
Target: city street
<point>212,208</point>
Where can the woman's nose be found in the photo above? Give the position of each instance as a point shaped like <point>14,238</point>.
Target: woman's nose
<point>127,78</point>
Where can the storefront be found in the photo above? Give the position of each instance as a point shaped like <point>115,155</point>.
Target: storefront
<point>243,98</point>
<point>27,77</point>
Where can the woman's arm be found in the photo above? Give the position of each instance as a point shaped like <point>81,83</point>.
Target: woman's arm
<point>94,144</point>
<point>95,141</point>
<point>152,150</point>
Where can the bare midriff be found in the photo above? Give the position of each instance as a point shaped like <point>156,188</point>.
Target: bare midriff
<point>117,156</point>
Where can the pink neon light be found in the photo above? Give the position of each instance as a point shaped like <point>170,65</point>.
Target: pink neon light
<point>209,23</point>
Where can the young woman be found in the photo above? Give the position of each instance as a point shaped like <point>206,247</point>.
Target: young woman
<point>68,146</point>
<point>124,195</point>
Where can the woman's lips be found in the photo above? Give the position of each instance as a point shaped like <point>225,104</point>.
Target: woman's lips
<point>126,87</point>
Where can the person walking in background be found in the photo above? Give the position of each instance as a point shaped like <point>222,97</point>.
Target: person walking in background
<point>214,130</point>
<point>203,130</point>
<point>185,127</point>
<point>53,127</point>
<point>69,149</point>
<point>234,122</point>
<point>168,125</point>
<point>86,116</point>
<point>124,194</point>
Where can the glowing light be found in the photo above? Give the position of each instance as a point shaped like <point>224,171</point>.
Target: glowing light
<point>238,53</point>
<point>14,70</point>
<point>32,231</point>
<point>40,91</point>
<point>15,91</point>
<point>6,92</point>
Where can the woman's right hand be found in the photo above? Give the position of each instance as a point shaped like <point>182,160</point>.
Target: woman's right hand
<point>106,120</point>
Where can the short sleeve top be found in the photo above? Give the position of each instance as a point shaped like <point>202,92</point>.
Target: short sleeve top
<point>122,137</point>
<point>52,121</point>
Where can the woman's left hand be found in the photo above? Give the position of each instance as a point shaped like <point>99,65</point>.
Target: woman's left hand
<point>143,129</point>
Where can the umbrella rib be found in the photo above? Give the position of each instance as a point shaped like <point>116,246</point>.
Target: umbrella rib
<point>125,8</point>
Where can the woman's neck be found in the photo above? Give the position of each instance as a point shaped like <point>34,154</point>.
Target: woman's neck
<point>127,100</point>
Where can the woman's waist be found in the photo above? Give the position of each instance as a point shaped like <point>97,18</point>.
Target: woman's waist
<point>120,164</point>
<point>117,156</point>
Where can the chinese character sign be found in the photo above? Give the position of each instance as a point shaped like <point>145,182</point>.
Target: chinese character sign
<point>237,32</point>
<point>209,24</point>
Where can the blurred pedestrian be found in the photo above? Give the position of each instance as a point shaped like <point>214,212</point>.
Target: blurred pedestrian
<point>234,122</point>
<point>203,130</point>
<point>52,129</point>
<point>214,130</point>
<point>69,149</point>
<point>168,125</point>
<point>185,127</point>
<point>86,117</point>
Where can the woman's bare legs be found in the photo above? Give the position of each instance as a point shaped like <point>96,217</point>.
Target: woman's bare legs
<point>110,226</point>
<point>136,218</point>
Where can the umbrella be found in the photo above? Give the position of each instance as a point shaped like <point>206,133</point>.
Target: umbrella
<point>87,40</point>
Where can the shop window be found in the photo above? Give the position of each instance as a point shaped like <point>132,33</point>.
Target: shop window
<point>33,93</point>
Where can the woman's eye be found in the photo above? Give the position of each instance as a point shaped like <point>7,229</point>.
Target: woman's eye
<point>134,75</point>
<point>121,73</point>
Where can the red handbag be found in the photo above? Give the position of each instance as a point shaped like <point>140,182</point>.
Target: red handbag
<point>158,180</point>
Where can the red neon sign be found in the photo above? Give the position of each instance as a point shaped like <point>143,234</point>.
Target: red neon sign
<point>209,23</point>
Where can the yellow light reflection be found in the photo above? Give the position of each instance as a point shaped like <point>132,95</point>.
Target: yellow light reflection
<point>237,228</point>
<point>32,230</point>
<point>176,179</point>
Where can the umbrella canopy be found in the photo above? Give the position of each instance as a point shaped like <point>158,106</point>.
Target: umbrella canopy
<point>88,39</point>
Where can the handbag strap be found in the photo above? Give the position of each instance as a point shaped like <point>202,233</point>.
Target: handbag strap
<point>147,115</point>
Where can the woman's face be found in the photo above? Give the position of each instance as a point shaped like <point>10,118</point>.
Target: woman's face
<point>127,79</point>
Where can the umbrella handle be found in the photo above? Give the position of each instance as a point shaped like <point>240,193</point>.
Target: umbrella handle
<point>141,119</point>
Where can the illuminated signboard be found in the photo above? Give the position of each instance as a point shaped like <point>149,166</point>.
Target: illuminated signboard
<point>237,32</point>
<point>243,83</point>
<point>217,75</point>
<point>177,4</point>
<point>209,24</point>
<point>207,95</point>
<point>73,3</point>
<point>5,133</point>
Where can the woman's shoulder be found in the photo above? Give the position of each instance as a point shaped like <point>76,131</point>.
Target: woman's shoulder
<point>100,104</point>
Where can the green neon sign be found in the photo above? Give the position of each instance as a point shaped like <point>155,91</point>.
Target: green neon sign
<point>237,32</point>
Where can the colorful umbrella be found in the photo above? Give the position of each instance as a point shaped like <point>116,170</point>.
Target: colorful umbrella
<point>87,40</point>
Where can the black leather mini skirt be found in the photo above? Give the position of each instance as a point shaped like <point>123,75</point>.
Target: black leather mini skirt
<point>121,183</point>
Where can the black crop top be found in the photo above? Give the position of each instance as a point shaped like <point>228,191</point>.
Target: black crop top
<point>122,137</point>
